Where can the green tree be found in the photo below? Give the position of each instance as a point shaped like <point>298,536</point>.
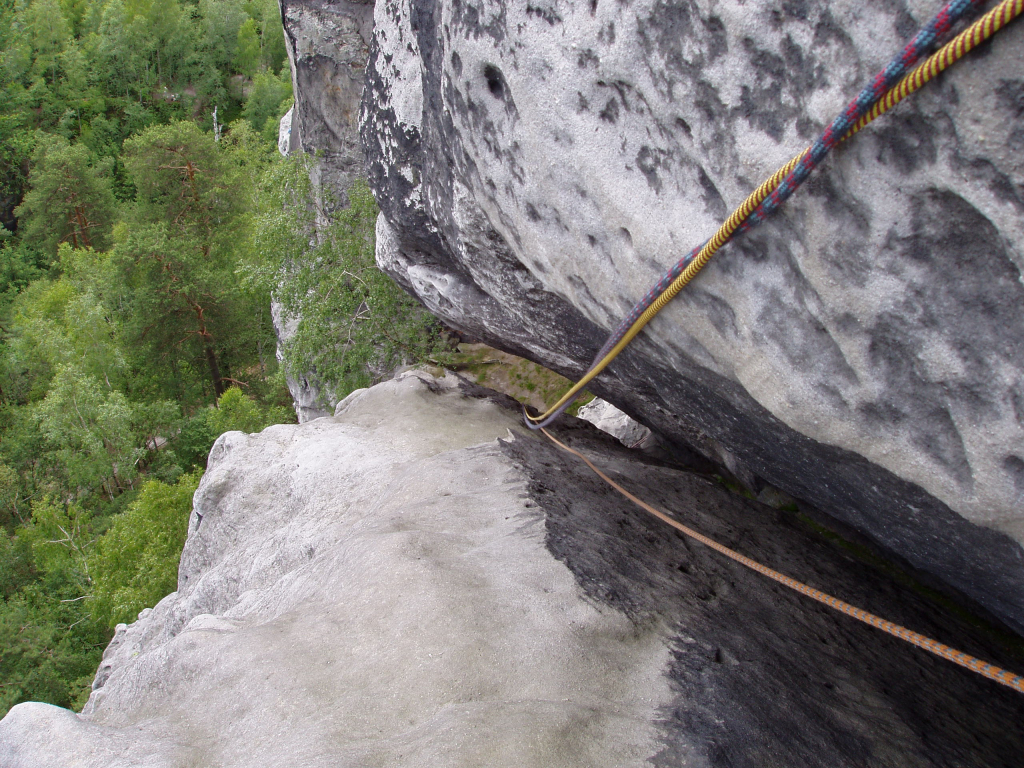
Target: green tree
<point>263,108</point>
<point>19,266</point>
<point>15,558</point>
<point>118,62</point>
<point>70,199</point>
<point>63,363</point>
<point>221,22</point>
<point>91,434</point>
<point>274,54</point>
<point>247,52</point>
<point>135,563</point>
<point>354,324</point>
<point>161,27</point>
<point>179,255</point>
<point>49,643</point>
<point>236,411</point>
<point>59,536</point>
<point>110,303</point>
<point>74,12</point>
<point>46,33</point>
<point>15,153</point>
<point>56,323</point>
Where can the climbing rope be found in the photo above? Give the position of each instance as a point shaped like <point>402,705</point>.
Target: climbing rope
<point>921,641</point>
<point>888,88</point>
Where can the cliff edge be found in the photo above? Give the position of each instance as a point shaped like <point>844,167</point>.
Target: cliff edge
<point>418,581</point>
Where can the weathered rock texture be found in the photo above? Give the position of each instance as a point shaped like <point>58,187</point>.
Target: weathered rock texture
<point>327,46</point>
<point>540,164</point>
<point>307,391</point>
<point>419,581</point>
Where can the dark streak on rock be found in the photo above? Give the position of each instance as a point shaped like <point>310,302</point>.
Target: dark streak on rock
<point>714,203</point>
<point>610,113</point>
<point>550,15</point>
<point>760,675</point>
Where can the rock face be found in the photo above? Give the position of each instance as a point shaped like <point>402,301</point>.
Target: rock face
<point>327,46</point>
<point>306,391</point>
<point>419,581</point>
<point>285,135</point>
<point>610,419</point>
<point>539,165</point>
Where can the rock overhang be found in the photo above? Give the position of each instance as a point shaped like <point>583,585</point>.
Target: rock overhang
<point>539,166</point>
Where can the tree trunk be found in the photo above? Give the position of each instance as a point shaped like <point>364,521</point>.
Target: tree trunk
<point>214,365</point>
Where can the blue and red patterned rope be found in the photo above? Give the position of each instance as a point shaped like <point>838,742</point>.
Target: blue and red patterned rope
<point>911,54</point>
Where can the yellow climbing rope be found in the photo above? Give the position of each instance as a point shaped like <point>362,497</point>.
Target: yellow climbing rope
<point>980,31</point>
<point>921,641</point>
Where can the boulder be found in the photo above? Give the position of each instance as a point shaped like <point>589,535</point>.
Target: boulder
<point>610,419</point>
<point>539,166</point>
<point>420,581</point>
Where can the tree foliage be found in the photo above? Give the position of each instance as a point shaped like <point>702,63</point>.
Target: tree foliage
<point>354,325</point>
<point>177,256</point>
<point>127,341</point>
<point>139,250</point>
<point>236,411</point>
<point>70,198</point>
<point>135,564</point>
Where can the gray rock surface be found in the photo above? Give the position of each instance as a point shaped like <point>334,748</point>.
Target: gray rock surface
<point>418,581</point>
<point>327,46</point>
<point>307,391</point>
<point>539,165</point>
<point>284,133</point>
<point>610,419</point>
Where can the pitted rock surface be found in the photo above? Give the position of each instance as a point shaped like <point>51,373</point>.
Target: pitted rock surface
<point>419,581</point>
<point>540,165</point>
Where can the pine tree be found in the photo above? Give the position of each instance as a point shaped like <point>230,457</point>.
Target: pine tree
<point>70,200</point>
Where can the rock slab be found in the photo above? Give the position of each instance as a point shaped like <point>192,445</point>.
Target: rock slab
<point>418,581</point>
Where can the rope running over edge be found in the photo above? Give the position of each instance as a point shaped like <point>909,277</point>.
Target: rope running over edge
<point>1009,679</point>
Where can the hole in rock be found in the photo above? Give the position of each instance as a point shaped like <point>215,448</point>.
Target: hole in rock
<point>495,81</point>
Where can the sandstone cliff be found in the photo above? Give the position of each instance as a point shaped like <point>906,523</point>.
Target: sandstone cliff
<point>539,165</point>
<point>419,581</point>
